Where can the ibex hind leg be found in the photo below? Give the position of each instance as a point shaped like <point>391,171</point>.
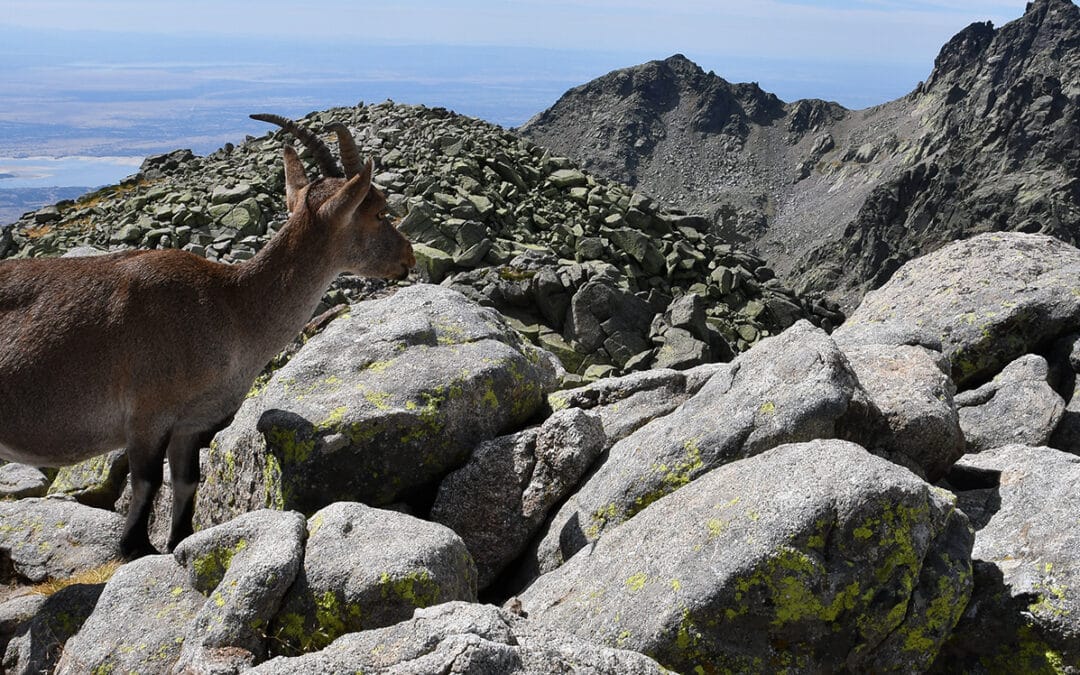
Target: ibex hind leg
<point>145,459</point>
<point>184,470</point>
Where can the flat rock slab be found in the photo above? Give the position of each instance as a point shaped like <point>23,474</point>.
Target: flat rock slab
<point>627,403</point>
<point>19,480</point>
<point>990,299</point>
<point>813,557</point>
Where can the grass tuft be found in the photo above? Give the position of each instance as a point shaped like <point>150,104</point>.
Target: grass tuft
<point>97,575</point>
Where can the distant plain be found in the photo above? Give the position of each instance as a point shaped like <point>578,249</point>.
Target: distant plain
<point>69,120</point>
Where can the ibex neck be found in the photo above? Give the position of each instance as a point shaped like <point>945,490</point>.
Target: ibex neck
<point>282,285</point>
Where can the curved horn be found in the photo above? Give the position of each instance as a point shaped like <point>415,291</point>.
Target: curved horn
<point>323,157</point>
<point>350,155</point>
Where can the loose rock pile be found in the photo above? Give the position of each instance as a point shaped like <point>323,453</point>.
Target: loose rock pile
<point>586,268</point>
<point>818,504</point>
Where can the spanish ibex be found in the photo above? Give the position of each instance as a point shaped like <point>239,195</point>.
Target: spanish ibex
<point>154,351</point>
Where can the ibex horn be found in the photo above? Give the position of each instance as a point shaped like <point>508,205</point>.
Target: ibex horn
<point>350,155</point>
<point>323,157</point>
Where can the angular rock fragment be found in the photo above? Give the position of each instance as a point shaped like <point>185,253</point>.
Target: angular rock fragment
<point>1017,407</point>
<point>499,499</point>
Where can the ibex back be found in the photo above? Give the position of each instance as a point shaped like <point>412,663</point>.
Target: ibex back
<point>153,351</point>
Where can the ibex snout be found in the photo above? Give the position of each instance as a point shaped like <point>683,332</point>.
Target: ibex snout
<point>409,263</point>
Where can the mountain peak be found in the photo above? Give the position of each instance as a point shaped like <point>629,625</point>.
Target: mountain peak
<point>1037,42</point>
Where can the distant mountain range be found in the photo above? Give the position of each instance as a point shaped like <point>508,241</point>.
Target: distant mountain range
<point>836,199</point>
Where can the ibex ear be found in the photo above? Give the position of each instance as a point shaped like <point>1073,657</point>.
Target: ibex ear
<point>295,178</point>
<point>349,197</point>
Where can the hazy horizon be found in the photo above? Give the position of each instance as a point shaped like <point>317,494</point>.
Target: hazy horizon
<point>122,78</point>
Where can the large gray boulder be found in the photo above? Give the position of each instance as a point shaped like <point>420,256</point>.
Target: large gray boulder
<point>1024,615</point>
<point>990,299</point>
<point>386,400</point>
<point>139,622</point>
<point>367,568</point>
<point>793,387</point>
<point>54,538</point>
<point>911,387</point>
<point>500,498</point>
<point>244,568</point>
<point>460,637</point>
<point>1016,407</point>
<point>814,557</point>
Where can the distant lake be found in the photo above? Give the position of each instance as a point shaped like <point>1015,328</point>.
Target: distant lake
<point>39,172</point>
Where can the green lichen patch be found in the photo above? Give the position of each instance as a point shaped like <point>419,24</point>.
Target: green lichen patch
<point>211,567</point>
<point>287,444</point>
<point>273,487</point>
<point>313,623</point>
<point>668,478</point>
<point>926,635</point>
<point>1029,654</point>
<point>417,589</point>
<point>335,617</point>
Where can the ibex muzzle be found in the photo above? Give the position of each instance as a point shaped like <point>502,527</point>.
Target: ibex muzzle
<point>154,351</point>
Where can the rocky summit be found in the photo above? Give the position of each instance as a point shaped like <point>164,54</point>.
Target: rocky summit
<point>593,433</point>
<point>837,200</point>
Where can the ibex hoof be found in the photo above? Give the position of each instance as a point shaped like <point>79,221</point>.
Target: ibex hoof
<point>134,550</point>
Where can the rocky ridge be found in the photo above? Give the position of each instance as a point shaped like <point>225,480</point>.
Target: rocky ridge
<point>837,200</point>
<point>585,267</point>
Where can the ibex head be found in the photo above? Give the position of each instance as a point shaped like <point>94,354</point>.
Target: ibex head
<point>353,208</point>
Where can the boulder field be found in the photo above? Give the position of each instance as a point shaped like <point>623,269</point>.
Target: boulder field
<point>420,489</point>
